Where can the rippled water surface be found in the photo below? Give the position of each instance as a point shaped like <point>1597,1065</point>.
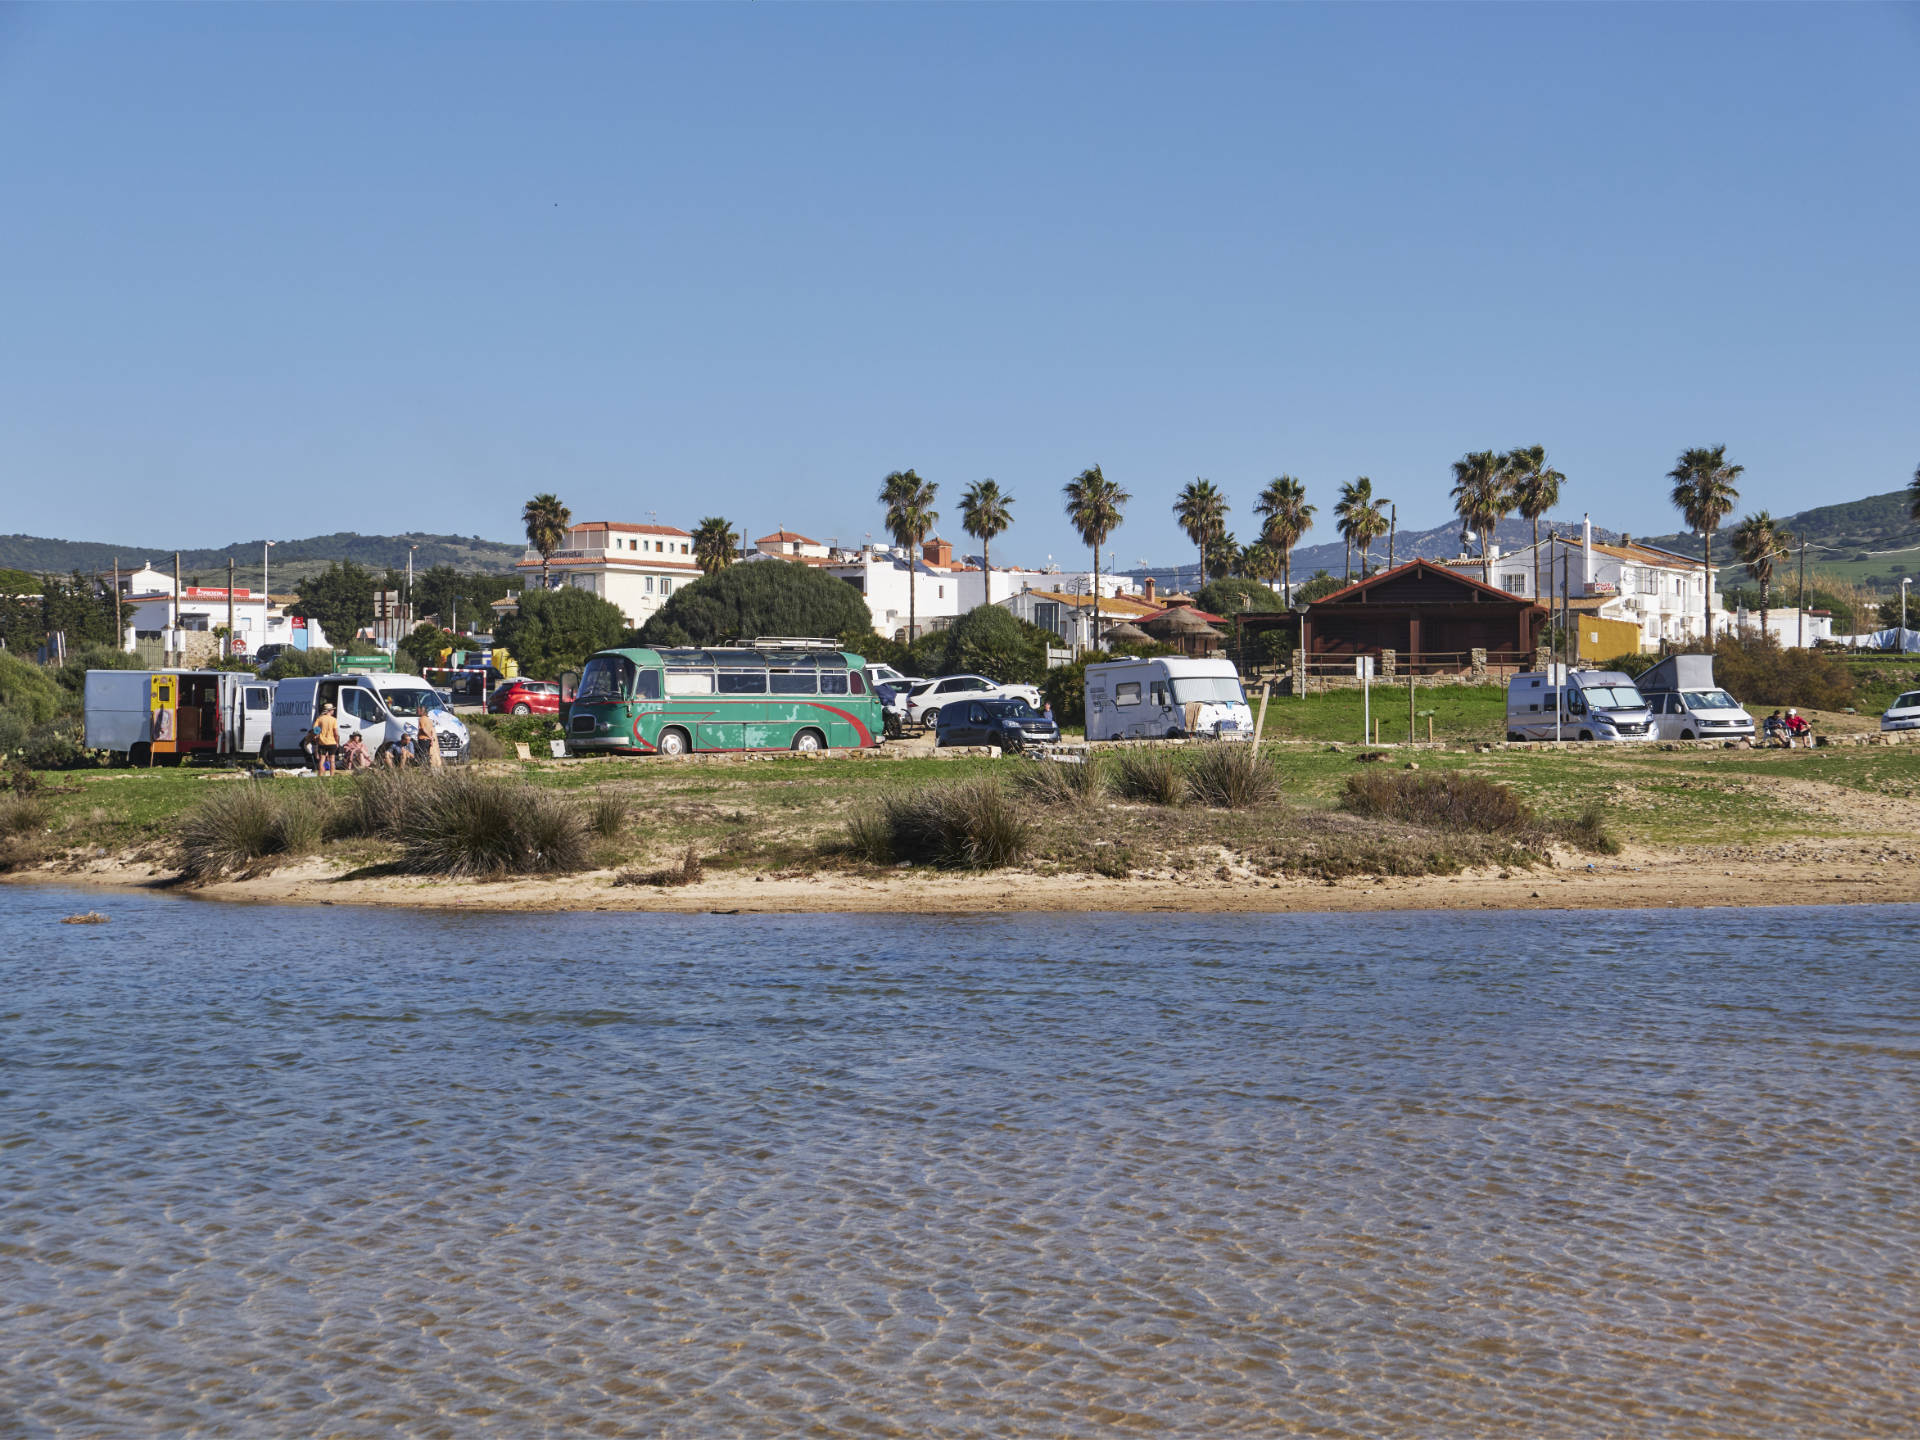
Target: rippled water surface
<point>324,1172</point>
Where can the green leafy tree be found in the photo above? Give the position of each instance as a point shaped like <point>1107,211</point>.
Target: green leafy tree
<point>1320,585</point>
<point>556,630</point>
<point>908,501</point>
<point>1481,497</point>
<point>985,511</point>
<point>739,604</point>
<point>340,598</point>
<point>1231,595</point>
<point>1095,506</point>
<point>990,641</point>
<point>1704,495</point>
<point>1536,490</point>
<point>1760,541</point>
<point>546,520</point>
<point>290,664</point>
<point>715,543</point>
<point>458,598</point>
<point>424,644</point>
<point>1286,518</point>
<point>1202,512</point>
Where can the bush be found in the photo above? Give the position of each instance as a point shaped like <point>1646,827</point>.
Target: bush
<point>1065,688</point>
<point>1056,782</point>
<point>292,664</point>
<point>1453,801</point>
<point>239,826</point>
<point>969,826</point>
<point>1232,594</point>
<point>765,597</point>
<point>988,640</point>
<point>556,630</point>
<point>462,825</point>
<point>1231,777</point>
<point>23,815</point>
<point>1759,672</point>
<point>27,690</point>
<point>1152,776</point>
<point>607,815</point>
<point>57,745</point>
<point>482,744</point>
<point>1589,832</point>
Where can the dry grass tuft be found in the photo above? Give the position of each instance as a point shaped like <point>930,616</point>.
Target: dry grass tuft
<point>1231,777</point>
<point>690,871</point>
<point>462,825</point>
<point>1451,801</point>
<point>239,827</point>
<point>1152,776</point>
<point>1060,782</point>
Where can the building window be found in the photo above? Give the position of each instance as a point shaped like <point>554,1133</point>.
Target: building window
<point>666,587</point>
<point>649,584</point>
<point>1513,584</point>
<point>683,547</point>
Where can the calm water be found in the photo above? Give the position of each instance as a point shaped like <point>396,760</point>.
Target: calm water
<point>323,1172</point>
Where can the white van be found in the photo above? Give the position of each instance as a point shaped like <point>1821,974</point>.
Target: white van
<point>1563,704</point>
<point>165,716</point>
<point>1166,698</point>
<point>1687,705</point>
<point>381,707</point>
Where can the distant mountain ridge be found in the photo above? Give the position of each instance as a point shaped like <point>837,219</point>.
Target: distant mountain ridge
<point>1442,542</point>
<point>1879,522</point>
<point>291,558</point>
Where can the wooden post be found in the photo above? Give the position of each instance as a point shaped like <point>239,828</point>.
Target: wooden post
<point>1410,735</point>
<point>1429,729</point>
<point>1260,721</point>
<point>1376,729</point>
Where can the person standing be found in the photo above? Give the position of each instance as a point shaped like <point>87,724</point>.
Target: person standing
<point>427,741</point>
<point>326,740</point>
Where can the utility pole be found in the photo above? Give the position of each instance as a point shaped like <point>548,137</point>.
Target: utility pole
<point>1393,529</point>
<point>1800,621</point>
<point>119,628</point>
<point>409,598</point>
<point>178,638</point>
<point>229,607</point>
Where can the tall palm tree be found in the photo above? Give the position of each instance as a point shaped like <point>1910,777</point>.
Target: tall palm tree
<point>1703,493</point>
<point>985,511</point>
<point>1362,521</point>
<point>1202,512</point>
<point>1536,490</point>
<point>1261,561</point>
<point>1481,498</point>
<point>1288,517</point>
<point>1094,506</point>
<point>1913,494</point>
<point>910,518</point>
<point>546,520</point>
<point>1760,540</point>
<point>714,542</point>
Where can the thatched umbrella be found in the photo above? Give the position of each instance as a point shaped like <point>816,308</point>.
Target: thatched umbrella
<point>1127,631</point>
<point>1187,630</point>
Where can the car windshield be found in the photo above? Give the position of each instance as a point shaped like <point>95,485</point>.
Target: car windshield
<point>1017,709</point>
<point>1613,697</point>
<point>405,702</point>
<point>1907,702</point>
<point>606,678</point>
<point>1710,700</point>
<point>1208,690</point>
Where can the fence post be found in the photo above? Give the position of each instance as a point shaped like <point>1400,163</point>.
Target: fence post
<point>1260,723</point>
<point>1299,670</point>
<point>1387,659</point>
<point>1410,735</point>
<point>1478,660</point>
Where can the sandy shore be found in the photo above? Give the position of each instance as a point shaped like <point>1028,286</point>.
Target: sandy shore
<point>1800,872</point>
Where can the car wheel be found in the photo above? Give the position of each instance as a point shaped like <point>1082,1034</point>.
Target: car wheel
<point>266,752</point>
<point>141,755</point>
<point>523,708</point>
<point>1688,735</point>
<point>674,742</point>
<point>809,741</point>
<point>1586,734</point>
<point>1176,733</point>
<point>931,718</point>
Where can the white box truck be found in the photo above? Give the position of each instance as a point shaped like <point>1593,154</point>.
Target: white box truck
<point>382,708</point>
<point>1565,704</point>
<point>161,717</point>
<point>1166,698</point>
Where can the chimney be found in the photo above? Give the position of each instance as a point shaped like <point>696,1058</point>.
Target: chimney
<point>1626,538</point>
<point>937,552</point>
<point>1149,590</point>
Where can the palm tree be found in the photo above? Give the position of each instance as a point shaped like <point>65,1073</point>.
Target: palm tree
<point>1288,517</point>
<point>1481,498</point>
<point>1261,561</point>
<point>714,541</point>
<point>1759,540</point>
<point>546,520</point>
<point>984,513</point>
<point>1913,493</point>
<point>1536,490</point>
<point>1094,505</point>
<point>1361,520</point>
<point>1202,512</point>
<point>910,518</point>
<point>1703,493</point>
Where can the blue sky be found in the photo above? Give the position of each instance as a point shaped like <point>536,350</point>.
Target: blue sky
<point>282,270</point>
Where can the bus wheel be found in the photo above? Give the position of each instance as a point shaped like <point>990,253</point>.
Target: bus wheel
<point>809,740</point>
<point>1513,735</point>
<point>674,742</point>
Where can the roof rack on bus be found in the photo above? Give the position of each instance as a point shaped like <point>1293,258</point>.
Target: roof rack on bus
<point>795,642</point>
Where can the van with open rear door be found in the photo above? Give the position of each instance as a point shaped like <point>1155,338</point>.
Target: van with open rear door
<point>383,708</point>
<point>161,717</point>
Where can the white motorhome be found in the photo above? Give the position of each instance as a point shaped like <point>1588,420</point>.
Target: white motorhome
<point>1167,697</point>
<point>1564,704</point>
<point>161,717</point>
<point>1687,705</point>
<point>382,708</point>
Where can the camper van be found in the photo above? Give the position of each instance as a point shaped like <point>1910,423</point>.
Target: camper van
<point>382,708</point>
<point>1563,704</point>
<point>1687,705</point>
<point>1165,699</point>
<point>161,717</point>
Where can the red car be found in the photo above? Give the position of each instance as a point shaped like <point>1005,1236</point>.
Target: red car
<point>525,697</point>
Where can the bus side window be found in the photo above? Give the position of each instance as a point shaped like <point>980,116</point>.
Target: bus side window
<point>646,685</point>
<point>836,684</point>
<point>855,678</point>
<point>1127,694</point>
<point>1160,693</point>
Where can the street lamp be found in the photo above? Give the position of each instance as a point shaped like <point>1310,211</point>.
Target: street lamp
<point>410,550</point>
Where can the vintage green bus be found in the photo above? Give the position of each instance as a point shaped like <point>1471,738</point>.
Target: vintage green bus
<point>767,696</point>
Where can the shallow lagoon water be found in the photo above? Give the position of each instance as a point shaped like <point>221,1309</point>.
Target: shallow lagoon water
<point>321,1171</point>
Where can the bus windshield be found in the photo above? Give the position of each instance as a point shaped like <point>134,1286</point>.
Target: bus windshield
<point>605,679</point>
<point>1207,690</point>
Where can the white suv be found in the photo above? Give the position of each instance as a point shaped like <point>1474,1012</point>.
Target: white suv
<point>923,705</point>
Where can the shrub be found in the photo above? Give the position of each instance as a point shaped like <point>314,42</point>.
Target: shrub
<point>239,826</point>
<point>690,871</point>
<point>556,630</point>
<point>23,814</point>
<point>27,690</point>
<point>1065,688</point>
<point>57,745</point>
<point>1588,831</point>
<point>380,800</point>
<point>969,826</point>
<point>1055,782</point>
<point>18,777</point>
<point>1232,594</point>
<point>990,640</point>
<point>745,601</point>
<point>1232,777</point>
<point>607,815</point>
<point>1453,801</point>
<point>1151,776</point>
<point>483,745</point>
<point>870,837</point>
<point>1759,672</point>
<point>462,825</point>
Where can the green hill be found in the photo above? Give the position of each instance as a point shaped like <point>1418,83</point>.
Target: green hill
<point>1871,542</point>
<point>292,559</point>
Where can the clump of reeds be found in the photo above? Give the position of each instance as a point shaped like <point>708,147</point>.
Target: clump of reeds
<point>1588,830</point>
<point>461,825</point>
<point>1152,776</point>
<point>239,827</point>
<point>690,870</point>
<point>1451,801</point>
<point>483,744</point>
<point>607,815</point>
<point>23,814</point>
<point>974,825</point>
<point>1231,777</point>
<point>381,799</point>
<point>870,836</point>
<point>1060,782</point>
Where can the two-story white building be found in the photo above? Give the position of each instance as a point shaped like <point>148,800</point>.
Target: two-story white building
<point>637,567</point>
<point>153,613</point>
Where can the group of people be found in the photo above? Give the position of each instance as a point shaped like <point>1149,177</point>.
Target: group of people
<point>332,756</point>
<point>1790,730</point>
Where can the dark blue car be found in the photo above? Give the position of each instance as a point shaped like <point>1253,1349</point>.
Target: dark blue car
<point>1009,724</point>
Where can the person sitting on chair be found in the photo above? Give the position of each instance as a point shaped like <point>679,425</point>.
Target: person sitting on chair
<point>1774,729</point>
<point>353,755</point>
<point>1799,732</point>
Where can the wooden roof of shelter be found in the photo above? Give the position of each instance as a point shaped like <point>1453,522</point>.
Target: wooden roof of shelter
<point>1123,630</point>
<point>1367,591</point>
<point>1183,620</point>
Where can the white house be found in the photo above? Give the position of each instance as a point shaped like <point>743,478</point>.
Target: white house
<point>786,545</point>
<point>945,587</point>
<point>633,566</point>
<point>153,613</point>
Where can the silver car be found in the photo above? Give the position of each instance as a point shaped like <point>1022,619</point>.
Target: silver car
<point>1903,714</point>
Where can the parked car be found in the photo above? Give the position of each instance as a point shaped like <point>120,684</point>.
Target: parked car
<point>924,704</point>
<point>1903,714</point>
<point>1010,724</point>
<point>525,697</point>
<point>267,654</point>
<point>878,674</point>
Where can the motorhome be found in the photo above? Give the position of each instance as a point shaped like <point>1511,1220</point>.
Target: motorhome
<point>1167,697</point>
<point>383,709</point>
<point>1687,705</point>
<point>161,717</point>
<point>1566,704</point>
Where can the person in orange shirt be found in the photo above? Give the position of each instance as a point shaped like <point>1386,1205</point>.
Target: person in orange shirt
<point>326,740</point>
